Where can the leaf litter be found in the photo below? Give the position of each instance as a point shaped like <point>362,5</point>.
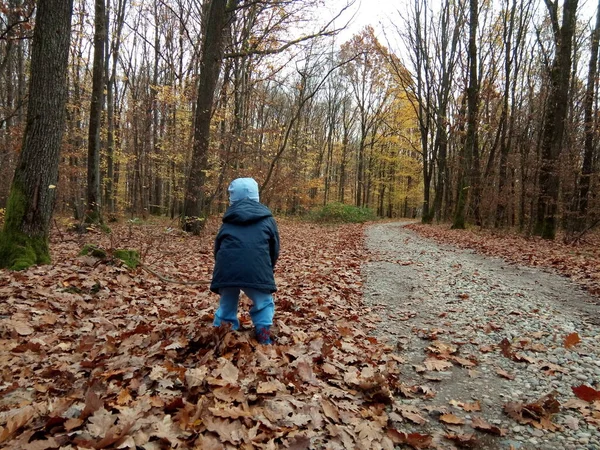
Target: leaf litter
<point>95,355</point>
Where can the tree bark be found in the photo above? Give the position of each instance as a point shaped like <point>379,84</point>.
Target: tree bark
<point>219,15</point>
<point>590,125</point>
<point>554,122</point>
<point>24,238</point>
<point>94,199</point>
<point>470,151</point>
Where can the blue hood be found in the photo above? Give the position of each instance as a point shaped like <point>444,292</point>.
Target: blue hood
<point>246,211</point>
<point>242,188</point>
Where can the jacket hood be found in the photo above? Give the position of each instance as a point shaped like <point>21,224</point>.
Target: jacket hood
<point>242,188</point>
<point>246,211</point>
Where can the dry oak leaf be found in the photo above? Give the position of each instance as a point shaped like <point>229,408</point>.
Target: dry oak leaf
<point>412,413</point>
<point>442,348</point>
<point>468,407</point>
<point>228,431</point>
<point>270,387</point>
<point>227,371</point>
<point>415,440</point>
<point>368,432</point>
<point>537,414</point>
<point>437,364</point>
<point>571,340</point>
<point>23,329</point>
<point>505,374</point>
<point>195,377</point>
<point>480,424</point>
<point>329,369</point>
<point>451,419</point>
<point>330,410</point>
<point>232,412</point>
<point>586,393</point>
<point>463,440</point>
<point>17,420</point>
<point>464,362</point>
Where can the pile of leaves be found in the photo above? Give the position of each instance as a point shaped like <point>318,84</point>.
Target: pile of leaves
<point>96,355</point>
<point>579,262</point>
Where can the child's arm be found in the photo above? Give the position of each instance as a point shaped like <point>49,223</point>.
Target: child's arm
<point>274,242</point>
<point>217,244</point>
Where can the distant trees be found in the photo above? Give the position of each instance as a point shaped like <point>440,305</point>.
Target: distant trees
<point>511,132</point>
<point>488,114</point>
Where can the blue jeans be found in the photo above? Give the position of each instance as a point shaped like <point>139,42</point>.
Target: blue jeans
<point>262,310</point>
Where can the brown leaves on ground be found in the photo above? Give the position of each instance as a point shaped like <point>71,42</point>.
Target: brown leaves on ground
<point>537,414</point>
<point>98,356</point>
<point>579,262</point>
<point>586,393</point>
<point>572,340</point>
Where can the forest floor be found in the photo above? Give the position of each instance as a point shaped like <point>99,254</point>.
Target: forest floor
<point>384,338</point>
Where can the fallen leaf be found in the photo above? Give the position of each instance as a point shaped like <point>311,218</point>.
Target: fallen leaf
<point>586,393</point>
<point>437,364</point>
<point>451,419</point>
<point>480,424</point>
<point>23,329</point>
<point>16,420</point>
<point>571,340</point>
<point>463,440</point>
<point>415,440</point>
<point>505,374</point>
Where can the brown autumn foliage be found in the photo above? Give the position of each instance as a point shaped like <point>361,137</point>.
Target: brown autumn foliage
<point>95,355</point>
<point>98,356</point>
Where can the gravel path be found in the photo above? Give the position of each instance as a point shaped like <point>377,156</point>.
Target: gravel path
<point>444,298</point>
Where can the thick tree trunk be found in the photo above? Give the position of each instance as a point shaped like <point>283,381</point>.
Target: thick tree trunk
<point>24,238</point>
<point>470,161</point>
<point>93,213</point>
<point>590,125</point>
<point>195,204</point>
<point>554,123</point>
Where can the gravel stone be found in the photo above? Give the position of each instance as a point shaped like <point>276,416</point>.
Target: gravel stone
<point>419,292</point>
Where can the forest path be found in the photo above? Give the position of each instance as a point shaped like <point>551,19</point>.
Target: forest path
<point>462,305</point>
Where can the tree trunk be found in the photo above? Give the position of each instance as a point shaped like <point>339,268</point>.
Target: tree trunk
<point>93,213</point>
<point>218,20</point>
<point>24,238</point>
<point>470,151</point>
<point>109,188</point>
<point>554,122</point>
<point>587,167</point>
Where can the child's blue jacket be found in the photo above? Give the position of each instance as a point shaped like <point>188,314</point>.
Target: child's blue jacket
<point>246,248</point>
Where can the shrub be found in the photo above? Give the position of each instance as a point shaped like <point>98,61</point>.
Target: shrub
<point>341,213</point>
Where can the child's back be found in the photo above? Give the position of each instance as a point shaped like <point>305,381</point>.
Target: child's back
<point>246,250</point>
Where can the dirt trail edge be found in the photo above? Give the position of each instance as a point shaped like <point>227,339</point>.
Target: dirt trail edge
<point>476,331</point>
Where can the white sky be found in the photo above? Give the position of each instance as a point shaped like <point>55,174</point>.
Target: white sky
<point>378,14</point>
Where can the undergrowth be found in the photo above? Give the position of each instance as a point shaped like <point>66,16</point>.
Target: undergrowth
<point>341,213</point>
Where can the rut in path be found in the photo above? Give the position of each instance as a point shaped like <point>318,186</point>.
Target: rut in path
<point>429,295</point>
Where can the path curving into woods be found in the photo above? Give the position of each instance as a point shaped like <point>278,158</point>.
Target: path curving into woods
<point>478,332</point>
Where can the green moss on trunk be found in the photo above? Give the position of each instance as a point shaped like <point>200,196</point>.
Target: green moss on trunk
<point>18,250</point>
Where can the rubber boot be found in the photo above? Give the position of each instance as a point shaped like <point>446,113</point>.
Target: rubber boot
<point>263,335</point>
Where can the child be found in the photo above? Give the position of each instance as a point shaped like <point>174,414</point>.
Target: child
<point>246,250</point>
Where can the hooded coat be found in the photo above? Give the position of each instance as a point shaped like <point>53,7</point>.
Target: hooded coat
<point>246,248</point>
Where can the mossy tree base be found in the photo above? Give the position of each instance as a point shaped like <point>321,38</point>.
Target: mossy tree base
<point>193,224</point>
<point>131,258</point>
<point>19,251</point>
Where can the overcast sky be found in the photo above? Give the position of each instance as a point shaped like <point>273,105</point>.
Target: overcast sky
<point>378,13</point>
